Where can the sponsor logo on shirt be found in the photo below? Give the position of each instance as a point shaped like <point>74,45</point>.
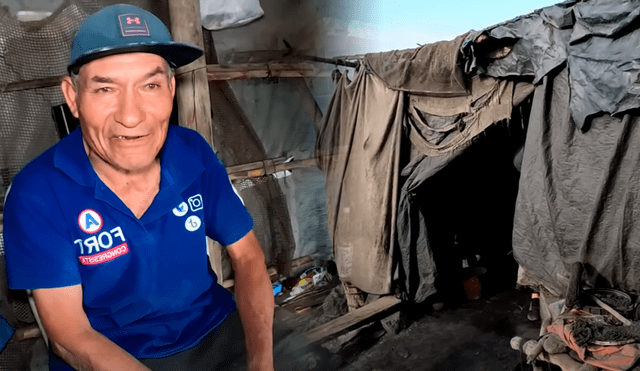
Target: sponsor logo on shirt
<point>90,221</point>
<point>105,256</point>
<point>181,210</point>
<point>192,223</point>
<point>195,202</point>
<point>102,247</point>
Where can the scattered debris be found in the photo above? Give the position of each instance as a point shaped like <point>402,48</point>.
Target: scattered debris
<point>591,329</point>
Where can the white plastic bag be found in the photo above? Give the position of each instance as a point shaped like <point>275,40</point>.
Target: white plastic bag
<point>219,14</point>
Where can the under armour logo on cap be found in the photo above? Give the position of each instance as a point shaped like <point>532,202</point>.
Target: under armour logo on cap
<point>133,25</point>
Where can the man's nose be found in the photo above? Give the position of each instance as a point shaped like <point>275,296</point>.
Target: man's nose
<point>131,111</point>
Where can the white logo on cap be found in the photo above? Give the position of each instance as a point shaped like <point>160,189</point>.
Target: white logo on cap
<point>90,221</point>
<point>132,24</point>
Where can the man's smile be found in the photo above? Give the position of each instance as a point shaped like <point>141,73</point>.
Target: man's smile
<point>125,137</point>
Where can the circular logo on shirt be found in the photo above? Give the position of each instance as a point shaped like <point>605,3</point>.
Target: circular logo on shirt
<point>90,221</point>
<point>181,210</point>
<point>192,223</point>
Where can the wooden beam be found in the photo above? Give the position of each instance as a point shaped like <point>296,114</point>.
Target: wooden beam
<point>26,333</point>
<point>215,258</point>
<point>192,89</point>
<point>262,168</point>
<point>213,72</point>
<point>262,70</point>
<point>255,165</point>
<point>45,82</point>
<point>352,319</point>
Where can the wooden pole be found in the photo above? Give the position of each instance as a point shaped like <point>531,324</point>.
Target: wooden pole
<point>192,90</point>
<point>214,72</point>
<point>262,71</point>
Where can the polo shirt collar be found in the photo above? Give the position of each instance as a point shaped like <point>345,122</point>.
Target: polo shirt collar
<point>71,158</point>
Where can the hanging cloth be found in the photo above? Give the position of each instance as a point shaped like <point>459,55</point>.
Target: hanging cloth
<point>358,149</point>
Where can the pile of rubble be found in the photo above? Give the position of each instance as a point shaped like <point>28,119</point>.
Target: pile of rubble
<point>588,330</point>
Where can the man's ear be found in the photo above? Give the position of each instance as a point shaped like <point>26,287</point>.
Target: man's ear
<point>172,86</point>
<point>70,95</point>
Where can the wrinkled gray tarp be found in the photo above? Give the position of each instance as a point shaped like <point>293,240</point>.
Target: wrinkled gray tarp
<point>578,196</point>
<point>431,69</point>
<point>236,142</point>
<point>598,40</point>
<point>359,150</point>
<point>285,130</point>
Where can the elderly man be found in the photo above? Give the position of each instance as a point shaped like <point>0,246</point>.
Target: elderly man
<point>108,226</point>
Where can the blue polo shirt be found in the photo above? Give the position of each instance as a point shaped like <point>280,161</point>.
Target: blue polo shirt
<point>147,283</point>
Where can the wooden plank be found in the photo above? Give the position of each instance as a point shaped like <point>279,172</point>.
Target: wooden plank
<point>215,258</point>
<point>262,70</point>
<point>45,82</point>
<point>604,305</point>
<point>192,86</point>
<point>27,333</point>
<point>227,284</point>
<point>250,166</point>
<point>352,319</point>
<point>295,263</point>
<point>258,169</point>
<point>211,71</point>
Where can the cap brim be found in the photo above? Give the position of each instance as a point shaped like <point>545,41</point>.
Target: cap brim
<point>177,54</point>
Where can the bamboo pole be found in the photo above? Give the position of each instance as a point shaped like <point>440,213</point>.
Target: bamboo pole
<point>192,89</point>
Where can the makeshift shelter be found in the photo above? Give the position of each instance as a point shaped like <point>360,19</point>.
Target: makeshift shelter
<point>407,114</point>
<point>567,75</point>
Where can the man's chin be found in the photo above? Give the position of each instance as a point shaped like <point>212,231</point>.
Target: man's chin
<point>134,166</point>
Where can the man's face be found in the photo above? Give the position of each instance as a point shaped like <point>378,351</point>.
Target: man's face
<point>123,102</point>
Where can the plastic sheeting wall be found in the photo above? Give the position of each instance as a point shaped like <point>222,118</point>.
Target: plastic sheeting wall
<point>274,109</point>
<point>286,130</point>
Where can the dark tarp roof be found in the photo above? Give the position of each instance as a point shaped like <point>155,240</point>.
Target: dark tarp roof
<point>599,42</point>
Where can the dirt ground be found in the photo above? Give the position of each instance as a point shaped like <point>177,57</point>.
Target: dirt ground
<point>464,335</point>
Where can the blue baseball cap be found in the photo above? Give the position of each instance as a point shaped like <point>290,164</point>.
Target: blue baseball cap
<point>123,28</point>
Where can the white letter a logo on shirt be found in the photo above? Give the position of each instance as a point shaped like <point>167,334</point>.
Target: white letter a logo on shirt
<point>90,221</point>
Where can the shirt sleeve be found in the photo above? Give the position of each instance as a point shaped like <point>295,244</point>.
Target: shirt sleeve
<point>227,219</point>
<point>37,251</point>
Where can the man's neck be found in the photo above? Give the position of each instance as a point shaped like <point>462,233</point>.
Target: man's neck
<point>136,189</point>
